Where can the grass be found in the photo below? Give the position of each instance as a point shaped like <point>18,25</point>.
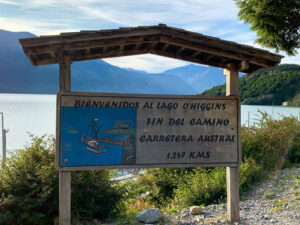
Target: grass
<point>276,209</point>
<point>269,194</point>
<point>281,202</point>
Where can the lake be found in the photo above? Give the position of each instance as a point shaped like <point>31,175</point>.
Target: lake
<point>36,114</point>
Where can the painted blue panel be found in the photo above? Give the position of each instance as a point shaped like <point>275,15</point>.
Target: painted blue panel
<point>98,136</point>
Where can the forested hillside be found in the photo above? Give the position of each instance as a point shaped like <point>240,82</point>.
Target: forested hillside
<point>268,87</point>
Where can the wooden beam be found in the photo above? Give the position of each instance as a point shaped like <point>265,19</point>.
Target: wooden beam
<point>244,66</point>
<point>195,54</point>
<point>64,72</point>
<point>214,51</point>
<point>110,54</point>
<point>165,47</point>
<point>88,45</point>
<point>232,173</point>
<point>232,79</point>
<point>64,177</point>
<point>214,42</point>
<point>151,46</point>
<point>187,58</point>
<point>122,48</point>
<point>85,36</point>
<point>180,50</point>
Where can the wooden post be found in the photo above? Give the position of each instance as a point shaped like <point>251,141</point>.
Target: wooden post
<point>3,131</point>
<point>64,198</point>
<point>232,173</point>
<point>64,177</point>
<point>64,73</point>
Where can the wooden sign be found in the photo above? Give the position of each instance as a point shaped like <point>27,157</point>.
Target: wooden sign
<point>132,131</point>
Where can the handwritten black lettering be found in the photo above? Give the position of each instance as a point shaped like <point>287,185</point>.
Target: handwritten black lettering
<point>105,104</point>
<point>166,138</point>
<point>179,121</point>
<point>199,155</point>
<point>154,121</point>
<point>168,106</point>
<point>216,138</point>
<point>209,122</point>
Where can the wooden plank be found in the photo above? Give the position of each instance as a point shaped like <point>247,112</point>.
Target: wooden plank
<point>110,54</point>
<point>215,51</point>
<point>54,40</point>
<point>88,44</point>
<point>197,53</point>
<point>189,58</point>
<point>220,44</point>
<point>232,173</point>
<point>180,50</point>
<point>80,168</point>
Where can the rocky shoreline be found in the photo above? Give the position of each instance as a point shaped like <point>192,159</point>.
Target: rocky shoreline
<point>276,201</point>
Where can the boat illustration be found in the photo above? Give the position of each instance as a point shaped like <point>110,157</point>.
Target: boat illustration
<point>91,138</point>
<point>98,143</point>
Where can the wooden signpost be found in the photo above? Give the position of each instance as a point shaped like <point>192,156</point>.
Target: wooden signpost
<point>121,131</point>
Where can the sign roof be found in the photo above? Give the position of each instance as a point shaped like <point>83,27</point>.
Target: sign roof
<point>160,40</point>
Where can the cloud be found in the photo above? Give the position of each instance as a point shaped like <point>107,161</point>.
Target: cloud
<point>290,59</point>
<point>42,17</point>
<point>8,2</point>
<point>192,13</point>
<point>33,26</point>
<point>147,62</point>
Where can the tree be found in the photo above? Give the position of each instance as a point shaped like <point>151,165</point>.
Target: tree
<point>277,22</point>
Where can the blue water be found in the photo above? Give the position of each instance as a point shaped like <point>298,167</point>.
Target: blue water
<point>36,114</point>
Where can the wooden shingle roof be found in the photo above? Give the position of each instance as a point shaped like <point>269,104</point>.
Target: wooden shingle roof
<point>159,40</point>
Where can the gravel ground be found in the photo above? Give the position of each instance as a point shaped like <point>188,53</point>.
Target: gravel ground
<point>276,201</point>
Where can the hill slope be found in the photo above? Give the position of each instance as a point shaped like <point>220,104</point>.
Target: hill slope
<point>17,75</point>
<point>269,87</point>
<point>200,77</point>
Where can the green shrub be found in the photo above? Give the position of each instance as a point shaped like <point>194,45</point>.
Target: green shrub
<point>249,174</point>
<point>294,153</point>
<point>94,195</point>
<point>269,142</point>
<point>29,188</point>
<point>203,187</point>
<point>28,185</point>
<point>159,184</point>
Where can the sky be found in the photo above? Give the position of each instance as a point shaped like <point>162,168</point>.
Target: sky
<point>216,18</point>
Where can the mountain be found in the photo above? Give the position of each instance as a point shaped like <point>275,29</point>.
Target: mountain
<point>269,87</point>
<point>199,77</point>
<point>17,75</point>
